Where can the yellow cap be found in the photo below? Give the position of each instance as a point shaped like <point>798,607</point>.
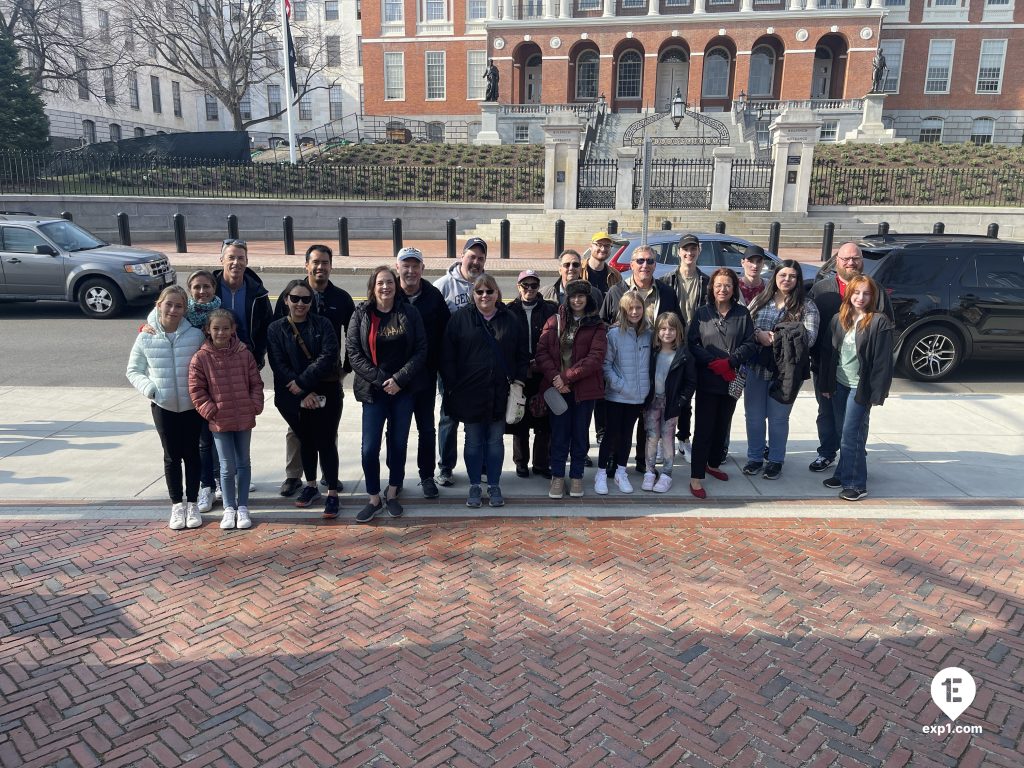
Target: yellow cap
<point>598,236</point>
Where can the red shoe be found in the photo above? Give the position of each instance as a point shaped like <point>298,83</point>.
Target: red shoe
<point>700,493</point>
<point>716,473</point>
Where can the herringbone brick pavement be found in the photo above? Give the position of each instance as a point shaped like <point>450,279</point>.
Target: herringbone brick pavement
<point>508,643</point>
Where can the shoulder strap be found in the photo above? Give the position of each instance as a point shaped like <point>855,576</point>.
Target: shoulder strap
<point>494,346</point>
<point>299,340</point>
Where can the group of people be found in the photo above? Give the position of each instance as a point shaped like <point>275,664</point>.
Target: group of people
<point>638,359</point>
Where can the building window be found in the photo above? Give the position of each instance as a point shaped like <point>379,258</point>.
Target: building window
<point>133,90</point>
<point>273,100</point>
<point>588,5</point>
<point>103,22</point>
<point>394,76</point>
<point>393,11</point>
<point>634,3</point>
<point>435,131</point>
<point>588,66</point>
<point>762,71</point>
<point>435,75</point>
<point>521,133</point>
<point>476,10</point>
<point>331,10</point>
<point>336,101</point>
<point>931,130</point>
<point>982,130</point>
<point>893,52</point>
<point>82,77</point>
<point>211,107</point>
<point>436,10</point>
<point>990,66</point>
<point>299,10</point>
<point>763,134</point>
<point>245,107</point>
<point>138,133</point>
<point>716,74</point>
<point>677,2</point>
<point>108,86</point>
<point>359,50</point>
<point>89,131</point>
<point>829,129</point>
<point>362,99</point>
<point>75,17</point>
<point>359,9</point>
<point>333,46</point>
<point>895,3</point>
<point>154,87</point>
<point>476,65</point>
<point>271,52</point>
<point>115,132</point>
<point>628,79</point>
<point>302,51</point>
<point>176,97</point>
<point>306,107</point>
<point>940,63</point>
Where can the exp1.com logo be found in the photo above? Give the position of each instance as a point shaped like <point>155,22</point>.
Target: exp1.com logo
<point>953,691</point>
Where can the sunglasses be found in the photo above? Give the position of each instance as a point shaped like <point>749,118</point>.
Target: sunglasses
<point>643,261</point>
<point>484,291</point>
<point>299,299</point>
<point>571,265</point>
<point>236,241</point>
<point>530,286</point>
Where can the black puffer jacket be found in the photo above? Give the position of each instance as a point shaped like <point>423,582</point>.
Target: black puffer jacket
<point>475,382</point>
<point>369,378</point>
<point>792,358</point>
<point>680,384</point>
<point>289,362</point>
<point>711,338</point>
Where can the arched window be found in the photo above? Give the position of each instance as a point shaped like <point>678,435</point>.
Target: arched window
<point>931,130</point>
<point>982,130</point>
<point>140,132</point>
<point>89,131</point>
<point>716,73</point>
<point>762,71</point>
<point>587,67</point>
<point>630,67</point>
<point>115,132</point>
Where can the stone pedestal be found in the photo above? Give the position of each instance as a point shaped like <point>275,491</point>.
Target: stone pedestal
<point>793,134</point>
<point>723,178</point>
<point>562,133</point>
<point>871,129</point>
<point>626,162</point>
<point>488,124</point>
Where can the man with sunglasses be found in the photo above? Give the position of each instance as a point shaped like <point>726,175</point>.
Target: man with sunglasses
<point>595,268</point>
<point>570,265</point>
<point>336,305</point>
<point>242,293</point>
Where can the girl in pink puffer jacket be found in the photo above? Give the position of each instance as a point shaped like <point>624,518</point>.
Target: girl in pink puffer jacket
<point>227,390</point>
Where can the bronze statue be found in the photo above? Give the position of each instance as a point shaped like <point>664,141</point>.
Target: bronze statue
<point>491,76</point>
<point>879,68</point>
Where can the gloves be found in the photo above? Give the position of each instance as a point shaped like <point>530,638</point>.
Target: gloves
<point>729,375</point>
<point>720,366</point>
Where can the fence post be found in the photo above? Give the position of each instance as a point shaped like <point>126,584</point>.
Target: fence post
<point>67,215</point>
<point>939,228</point>
<point>505,228</point>
<point>343,236</point>
<point>449,235</point>
<point>613,226</point>
<point>396,236</point>
<point>828,234</point>
<point>883,227</point>
<point>720,227</point>
<point>559,237</point>
<point>180,243</point>
<point>289,236</point>
<point>124,229</point>
<point>774,234</point>
<point>993,230</point>
<point>666,224</point>
<point>233,227</point>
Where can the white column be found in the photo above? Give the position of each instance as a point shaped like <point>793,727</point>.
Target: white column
<point>812,5</point>
<point>698,6</point>
<point>722,183</point>
<point>565,9</point>
<point>878,3</point>
<point>550,9</point>
<point>860,4</point>
<point>796,5</point>
<point>626,160</point>
<point>746,5</point>
<point>492,10</point>
<point>653,7</point>
<point>609,8</point>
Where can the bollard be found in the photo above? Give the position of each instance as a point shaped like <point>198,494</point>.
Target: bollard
<point>883,227</point>
<point>666,224</point>
<point>289,236</point>
<point>613,226</point>
<point>720,227</point>
<point>505,228</point>
<point>67,215</point>
<point>396,236</point>
<point>939,228</point>
<point>180,243</point>
<point>993,230</point>
<point>233,227</point>
<point>774,234</point>
<point>124,229</point>
<point>343,249</point>
<point>828,234</point>
<point>559,238</point>
<point>449,234</point>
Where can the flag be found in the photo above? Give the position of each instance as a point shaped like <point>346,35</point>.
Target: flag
<point>290,49</point>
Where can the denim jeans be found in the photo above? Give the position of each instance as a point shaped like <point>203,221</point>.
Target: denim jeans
<point>852,469</point>
<point>485,448</point>
<point>570,437</point>
<point>759,407</point>
<point>447,434</point>
<point>829,424</point>
<point>396,412</point>
<point>659,429</point>
<point>235,467</point>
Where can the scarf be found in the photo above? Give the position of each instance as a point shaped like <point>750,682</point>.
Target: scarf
<point>197,313</point>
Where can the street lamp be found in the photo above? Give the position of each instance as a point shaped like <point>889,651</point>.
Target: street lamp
<point>678,109</point>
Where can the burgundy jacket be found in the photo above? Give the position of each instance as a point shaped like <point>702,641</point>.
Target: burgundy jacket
<point>585,376</point>
<point>226,387</point>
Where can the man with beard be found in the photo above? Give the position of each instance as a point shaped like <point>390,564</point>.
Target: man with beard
<point>242,293</point>
<point>595,268</point>
<point>336,305</point>
<point>827,295</point>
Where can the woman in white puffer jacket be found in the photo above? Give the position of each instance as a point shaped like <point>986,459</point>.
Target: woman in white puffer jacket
<point>158,368</point>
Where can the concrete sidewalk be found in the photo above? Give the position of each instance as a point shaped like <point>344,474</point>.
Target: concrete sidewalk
<point>93,453</point>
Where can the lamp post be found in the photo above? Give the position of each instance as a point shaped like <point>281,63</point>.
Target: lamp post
<point>677,110</point>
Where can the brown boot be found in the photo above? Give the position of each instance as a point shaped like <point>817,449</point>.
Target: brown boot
<point>576,487</point>
<point>557,487</point>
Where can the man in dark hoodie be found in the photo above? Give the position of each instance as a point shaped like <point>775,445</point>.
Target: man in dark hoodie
<point>242,293</point>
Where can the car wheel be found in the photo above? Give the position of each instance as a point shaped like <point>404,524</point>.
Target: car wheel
<point>932,353</point>
<point>100,298</point>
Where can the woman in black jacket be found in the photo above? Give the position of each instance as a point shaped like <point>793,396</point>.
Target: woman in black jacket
<point>387,349</point>
<point>303,353</point>
<point>484,351</point>
<point>721,339</point>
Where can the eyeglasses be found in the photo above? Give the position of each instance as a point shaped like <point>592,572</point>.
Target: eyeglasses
<point>571,265</point>
<point>849,260</point>
<point>529,286</point>
<point>236,241</point>
<point>484,291</point>
<point>644,261</point>
<point>295,299</point>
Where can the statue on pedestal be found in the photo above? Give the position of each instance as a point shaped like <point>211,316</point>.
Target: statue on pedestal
<point>491,76</point>
<point>878,70</point>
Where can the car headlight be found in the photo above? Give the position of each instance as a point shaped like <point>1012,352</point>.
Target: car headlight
<point>140,269</point>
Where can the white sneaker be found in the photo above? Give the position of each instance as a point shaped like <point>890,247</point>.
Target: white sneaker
<point>216,492</point>
<point>648,483</point>
<point>601,482</point>
<point>664,484</point>
<point>243,519</point>
<point>205,502</point>
<point>228,521</point>
<point>687,450</point>
<point>177,521</point>
<point>252,487</point>
<point>622,481</point>
<point>192,517</point>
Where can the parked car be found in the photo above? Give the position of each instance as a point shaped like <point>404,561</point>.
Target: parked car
<point>874,247</point>
<point>44,258</point>
<point>954,299</point>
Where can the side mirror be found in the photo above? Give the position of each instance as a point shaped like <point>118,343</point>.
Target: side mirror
<point>45,250</point>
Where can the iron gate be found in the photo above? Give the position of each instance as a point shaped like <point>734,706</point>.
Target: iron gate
<point>675,184</point>
<point>596,185</point>
<point>750,187</point>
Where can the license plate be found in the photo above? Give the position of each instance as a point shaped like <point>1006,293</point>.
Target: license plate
<point>169,277</point>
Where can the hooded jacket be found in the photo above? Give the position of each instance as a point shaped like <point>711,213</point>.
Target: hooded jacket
<point>874,353</point>
<point>455,288</point>
<point>258,312</point>
<point>158,365</point>
<point>585,375</point>
<point>368,383</point>
<point>226,387</point>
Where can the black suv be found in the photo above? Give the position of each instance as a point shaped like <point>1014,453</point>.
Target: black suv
<point>954,298</point>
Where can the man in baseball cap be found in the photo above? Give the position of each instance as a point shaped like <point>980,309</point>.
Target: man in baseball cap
<point>595,267</point>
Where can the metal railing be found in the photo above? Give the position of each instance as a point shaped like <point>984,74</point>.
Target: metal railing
<point>586,110</point>
<point>597,181</point>
<point>750,185</point>
<point>676,183</point>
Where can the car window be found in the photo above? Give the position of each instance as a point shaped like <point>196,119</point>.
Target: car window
<point>916,268</point>
<point>705,259</point>
<point>70,236</point>
<point>730,255</point>
<point>19,240</point>
<point>669,254</point>
<point>994,270</point>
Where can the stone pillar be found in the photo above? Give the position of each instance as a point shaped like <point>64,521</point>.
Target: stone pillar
<point>564,9</point>
<point>878,3</point>
<point>492,10</point>
<point>626,158</point>
<point>871,129</point>
<point>698,6</point>
<point>609,8</point>
<point>812,5</point>
<point>793,134</point>
<point>723,178</point>
<point>796,5</point>
<point>551,8</point>
<point>746,6</point>
<point>488,124</point>
<point>562,133</point>
<point>653,7</point>
<point>860,4</point>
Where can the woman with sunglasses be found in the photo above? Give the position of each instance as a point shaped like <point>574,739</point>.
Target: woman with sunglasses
<point>303,352</point>
<point>484,352</point>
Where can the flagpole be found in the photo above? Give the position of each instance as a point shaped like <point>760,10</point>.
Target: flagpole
<point>289,95</point>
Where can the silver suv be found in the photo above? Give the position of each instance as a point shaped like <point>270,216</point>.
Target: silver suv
<point>44,258</point>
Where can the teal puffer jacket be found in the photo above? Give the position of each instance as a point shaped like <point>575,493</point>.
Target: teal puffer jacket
<point>158,365</point>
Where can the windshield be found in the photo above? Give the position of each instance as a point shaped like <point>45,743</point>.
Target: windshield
<point>70,237</point>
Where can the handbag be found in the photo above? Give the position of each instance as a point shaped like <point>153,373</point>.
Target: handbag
<point>736,385</point>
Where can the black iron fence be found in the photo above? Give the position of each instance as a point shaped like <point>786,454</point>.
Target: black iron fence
<point>676,183</point>
<point>596,187</point>
<point>832,184</point>
<point>750,187</point>
<point>71,174</point>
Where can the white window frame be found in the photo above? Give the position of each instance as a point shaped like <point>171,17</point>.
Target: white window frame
<point>772,58</point>
<point>332,49</point>
<point>588,5</point>
<point>476,87</point>
<point>946,11</point>
<point>1002,68</point>
<point>932,44</point>
<point>521,133</point>
<point>998,10</point>
<point>942,128</point>
<point>704,93</point>
<point>990,136</point>
<point>596,60</point>
<point>639,76</point>
<point>335,106</point>
<point>271,102</point>
<point>634,3</point>
<point>898,11</point>
<point>306,107</point>
<point>440,25</point>
<point>335,9</point>
<point>829,130</point>
<point>392,17</point>
<point>889,47</point>
<point>476,6</point>
<point>133,90</point>
<point>427,85</point>
<point>397,59</point>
